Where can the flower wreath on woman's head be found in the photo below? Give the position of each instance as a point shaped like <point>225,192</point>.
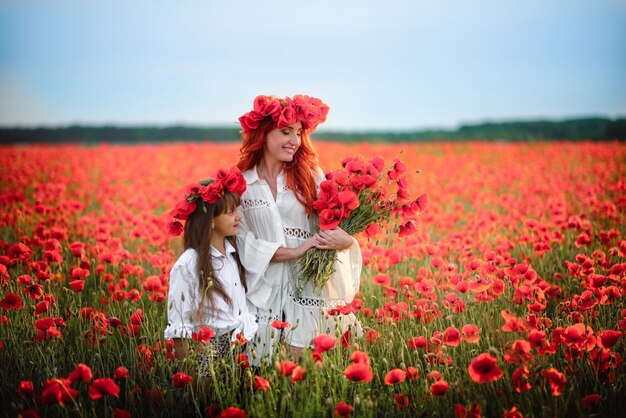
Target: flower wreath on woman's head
<point>207,192</point>
<point>311,111</point>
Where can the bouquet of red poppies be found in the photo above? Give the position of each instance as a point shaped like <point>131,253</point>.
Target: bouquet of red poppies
<point>359,194</point>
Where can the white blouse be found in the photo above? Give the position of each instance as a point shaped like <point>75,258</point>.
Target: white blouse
<point>184,298</point>
<point>268,224</point>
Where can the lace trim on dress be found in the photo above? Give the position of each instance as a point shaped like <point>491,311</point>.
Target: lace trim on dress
<point>254,203</point>
<point>266,319</point>
<point>315,302</point>
<point>296,233</point>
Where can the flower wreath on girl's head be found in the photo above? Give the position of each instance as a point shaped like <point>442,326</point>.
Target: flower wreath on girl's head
<point>311,111</point>
<point>207,192</point>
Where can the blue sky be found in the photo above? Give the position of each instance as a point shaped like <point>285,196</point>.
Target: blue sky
<point>378,64</point>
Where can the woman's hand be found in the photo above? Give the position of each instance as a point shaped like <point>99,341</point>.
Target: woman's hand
<point>334,239</point>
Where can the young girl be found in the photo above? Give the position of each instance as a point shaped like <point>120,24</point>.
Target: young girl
<point>207,284</point>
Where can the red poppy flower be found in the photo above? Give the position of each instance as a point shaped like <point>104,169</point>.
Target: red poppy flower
<point>277,324</point>
<point>575,335</point>
<point>451,337</point>
<point>484,368</point>
<point>537,338</point>
<point>382,280</point>
<point>261,384</point>
<point>183,209</point>
<point>204,335</point>
<point>417,342</point>
<point>470,411</point>
<point>57,391</point>
<point>298,374</point>
<point>512,413</point>
<point>44,323</point>
<point>137,317</point>
<point>242,360</point>
<point>359,372</point>
<point>175,228</point>
<point>343,409</point>
<point>42,307</point>
<point>345,338</point>
<point>439,388</point>
<point>114,321</point>
<point>401,401</point>
<point>34,291</point>
<point>232,412</point>
<point>82,372</point>
<point>360,357</point>
<point>412,373</point>
<point>608,338</point>
<point>121,373</point>
<point>102,387</point>
<point>520,379</point>
<point>180,380</point>
<point>556,380</point>
<point>153,284</point>
<point>121,413</point>
<point>77,285</point>
<point>471,333</point>
<point>395,376</point>
<point>286,367</point>
<point>26,389</point>
<point>519,353</point>
<point>372,335</point>
<point>324,342</point>
<point>329,219</point>
<point>407,229</point>
<point>11,301</point>
<point>78,249</point>
<point>29,413</point>
<point>371,230</point>
<point>591,401</point>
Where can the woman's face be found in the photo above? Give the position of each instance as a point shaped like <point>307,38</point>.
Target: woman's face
<point>282,144</point>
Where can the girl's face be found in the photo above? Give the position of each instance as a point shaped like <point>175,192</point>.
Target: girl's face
<point>227,223</point>
<point>282,144</point>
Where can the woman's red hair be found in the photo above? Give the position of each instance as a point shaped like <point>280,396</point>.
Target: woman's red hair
<point>298,172</point>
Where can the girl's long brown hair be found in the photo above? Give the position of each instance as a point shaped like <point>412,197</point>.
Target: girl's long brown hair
<point>198,236</point>
<point>298,172</point>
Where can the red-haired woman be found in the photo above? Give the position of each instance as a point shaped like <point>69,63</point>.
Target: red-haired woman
<point>279,226</point>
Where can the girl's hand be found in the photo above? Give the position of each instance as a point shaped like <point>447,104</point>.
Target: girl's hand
<point>334,239</point>
<point>286,254</point>
<point>306,246</point>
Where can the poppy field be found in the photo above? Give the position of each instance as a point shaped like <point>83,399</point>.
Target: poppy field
<point>507,298</point>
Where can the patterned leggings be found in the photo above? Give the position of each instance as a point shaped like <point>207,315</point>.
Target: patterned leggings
<point>218,347</point>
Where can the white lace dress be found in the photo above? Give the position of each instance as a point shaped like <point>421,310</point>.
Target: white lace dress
<point>266,225</point>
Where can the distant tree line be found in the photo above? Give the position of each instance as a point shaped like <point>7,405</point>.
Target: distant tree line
<point>592,129</point>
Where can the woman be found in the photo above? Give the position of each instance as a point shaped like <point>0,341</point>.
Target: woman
<point>279,226</point>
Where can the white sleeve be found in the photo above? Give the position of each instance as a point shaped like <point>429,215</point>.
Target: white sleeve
<point>181,303</point>
<point>345,280</point>
<point>255,255</point>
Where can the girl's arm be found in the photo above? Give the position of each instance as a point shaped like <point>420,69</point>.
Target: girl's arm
<point>181,300</point>
<point>286,254</point>
<point>179,349</point>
